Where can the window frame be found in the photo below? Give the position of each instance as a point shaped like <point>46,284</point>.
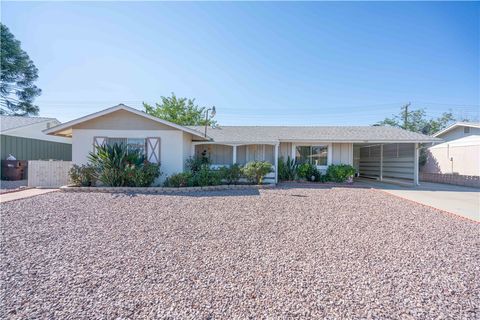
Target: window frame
<point>130,138</point>
<point>314,144</point>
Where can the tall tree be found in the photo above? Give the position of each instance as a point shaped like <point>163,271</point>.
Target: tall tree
<point>417,121</point>
<point>18,73</point>
<point>181,111</point>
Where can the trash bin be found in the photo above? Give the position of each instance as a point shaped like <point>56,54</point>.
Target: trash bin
<point>14,169</point>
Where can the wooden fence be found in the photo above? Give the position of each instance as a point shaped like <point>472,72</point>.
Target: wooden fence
<point>51,174</point>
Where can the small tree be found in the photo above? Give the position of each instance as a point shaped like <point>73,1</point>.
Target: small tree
<point>181,111</point>
<point>18,73</point>
<point>255,171</point>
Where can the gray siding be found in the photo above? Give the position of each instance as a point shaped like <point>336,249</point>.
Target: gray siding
<point>34,149</point>
<point>398,161</point>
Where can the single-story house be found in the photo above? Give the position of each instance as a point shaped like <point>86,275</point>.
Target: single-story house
<point>23,137</point>
<point>459,154</point>
<point>377,152</point>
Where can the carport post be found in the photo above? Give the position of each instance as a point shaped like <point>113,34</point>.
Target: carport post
<point>234,155</point>
<point>381,162</point>
<point>415,164</point>
<point>276,163</point>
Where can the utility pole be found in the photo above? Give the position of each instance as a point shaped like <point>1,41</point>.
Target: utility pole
<point>405,117</point>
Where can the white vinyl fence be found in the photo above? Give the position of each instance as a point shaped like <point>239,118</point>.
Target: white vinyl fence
<point>50,173</point>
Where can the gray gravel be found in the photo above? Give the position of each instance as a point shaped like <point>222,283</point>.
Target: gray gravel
<point>7,186</point>
<point>281,253</point>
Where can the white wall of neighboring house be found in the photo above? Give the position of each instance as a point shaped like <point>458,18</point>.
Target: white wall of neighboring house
<point>461,156</point>
<point>34,131</point>
<point>459,132</point>
<point>171,145</point>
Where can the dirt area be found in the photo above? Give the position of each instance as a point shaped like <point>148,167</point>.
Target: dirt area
<point>285,252</point>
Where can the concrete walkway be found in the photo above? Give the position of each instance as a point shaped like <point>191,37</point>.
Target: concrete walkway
<point>463,201</point>
<point>23,194</point>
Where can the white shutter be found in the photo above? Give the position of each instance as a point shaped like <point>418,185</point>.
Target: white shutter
<point>99,141</point>
<point>153,150</point>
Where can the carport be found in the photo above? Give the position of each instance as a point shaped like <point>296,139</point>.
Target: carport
<point>389,162</point>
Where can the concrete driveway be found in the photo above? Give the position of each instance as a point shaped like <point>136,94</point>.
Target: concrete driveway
<point>463,201</point>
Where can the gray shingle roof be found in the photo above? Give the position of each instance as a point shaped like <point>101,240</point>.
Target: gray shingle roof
<point>12,122</point>
<point>319,133</point>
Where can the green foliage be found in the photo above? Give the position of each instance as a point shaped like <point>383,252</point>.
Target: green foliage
<point>206,177</point>
<point>142,176</point>
<point>255,171</point>
<point>231,174</point>
<point>309,172</point>
<point>287,170</point>
<point>116,166</point>
<point>18,74</point>
<point>340,172</point>
<point>83,175</point>
<point>417,121</point>
<point>178,180</point>
<point>181,111</point>
<point>196,163</point>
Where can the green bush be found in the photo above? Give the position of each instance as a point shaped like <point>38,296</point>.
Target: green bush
<point>206,177</point>
<point>178,180</point>
<point>116,166</point>
<point>196,163</point>
<point>340,172</point>
<point>257,170</point>
<point>142,176</point>
<point>309,172</point>
<point>287,170</point>
<point>231,174</point>
<point>83,175</point>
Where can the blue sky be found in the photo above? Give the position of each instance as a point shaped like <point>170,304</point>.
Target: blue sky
<point>258,63</point>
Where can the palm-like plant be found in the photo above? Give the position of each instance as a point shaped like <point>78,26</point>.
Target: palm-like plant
<point>287,169</point>
<point>114,162</point>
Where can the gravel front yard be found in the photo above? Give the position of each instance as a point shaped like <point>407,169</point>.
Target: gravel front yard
<point>336,253</point>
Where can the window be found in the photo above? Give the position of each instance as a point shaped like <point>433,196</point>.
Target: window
<point>316,155</point>
<point>132,143</point>
<point>466,129</point>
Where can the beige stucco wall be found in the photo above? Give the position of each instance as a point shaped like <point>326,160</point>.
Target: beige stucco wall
<point>466,160</point>
<point>122,120</point>
<point>172,145</point>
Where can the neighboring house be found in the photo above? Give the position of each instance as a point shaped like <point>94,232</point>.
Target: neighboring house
<point>459,155</point>
<point>23,137</point>
<point>377,152</point>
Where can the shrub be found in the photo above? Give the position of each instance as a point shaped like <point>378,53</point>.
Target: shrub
<point>83,175</point>
<point>178,180</point>
<point>142,176</point>
<point>309,172</point>
<point>340,172</point>
<point>287,170</point>
<point>195,164</point>
<point>257,170</point>
<point>116,166</point>
<point>231,174</point>
<point>206,177</point>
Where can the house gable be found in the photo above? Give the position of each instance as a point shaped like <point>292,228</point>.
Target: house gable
<point>122,120</point>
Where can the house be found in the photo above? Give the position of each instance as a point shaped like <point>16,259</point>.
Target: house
<point>376,152</point>
<point>23,137</point>
<point>457,160</point>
